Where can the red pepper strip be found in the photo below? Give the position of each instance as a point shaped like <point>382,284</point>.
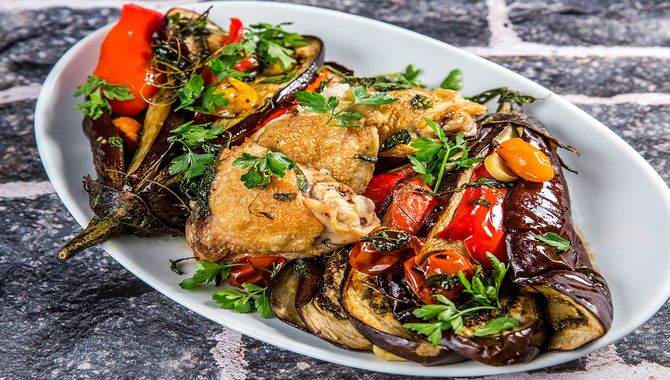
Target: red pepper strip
<point>316,83</point>
<point>368,260</point>
<point>381,186</point>
<point>448,262</point>
<point>253,273</point>
<point>409,207</point>
<point>246,64</point>
<point>125,55</point>
<point>478,226</point>
<point>235,31</point>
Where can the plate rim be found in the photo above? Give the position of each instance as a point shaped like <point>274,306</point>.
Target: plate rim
<point>41,138</point>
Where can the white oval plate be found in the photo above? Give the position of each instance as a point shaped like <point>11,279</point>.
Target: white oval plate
<point>620,203</point>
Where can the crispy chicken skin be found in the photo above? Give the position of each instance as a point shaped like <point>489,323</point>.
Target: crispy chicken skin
<point>252,222</point>
<point>347,153</point>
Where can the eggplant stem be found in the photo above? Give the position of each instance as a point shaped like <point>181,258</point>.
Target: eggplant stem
<point>97,231</point>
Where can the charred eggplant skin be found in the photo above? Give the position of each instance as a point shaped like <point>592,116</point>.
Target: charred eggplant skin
<point>534,209</point>
<point>357,296</point>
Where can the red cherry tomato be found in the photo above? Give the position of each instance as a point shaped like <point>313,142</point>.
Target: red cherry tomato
<point>257,272</point>
<point>367,259</point>
<point>381,186</point>
<point>448,262</point>
<point>478,221</point>
<point>125,55</point>
<point>409,206</point>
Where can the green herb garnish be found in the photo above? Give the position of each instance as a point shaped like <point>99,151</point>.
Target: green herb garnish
<point>194,91</point>
<point>497,325</point>
<point>223,66</point>
<point>554,240</point>
<point>284,197</point>
<point>485,290</point>
<point>421,102</point>
<point>453,81</point>
<point>434,158</point>
<point>395,138</point>
<point>252,298</point>
<point>98,93</point>
<point>442,281</point>
<point>387,239</point>
<point>317,103</point>
<point>192,136</point>
<point>272,44</point>
<point>205,273</point>
<point>262,169</point>
<point>115,141</point>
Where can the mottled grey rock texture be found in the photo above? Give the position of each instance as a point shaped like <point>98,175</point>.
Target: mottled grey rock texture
<point>581,22</point>
<point>602,77</point>
<point>19,160</point>
<point>90,318</point>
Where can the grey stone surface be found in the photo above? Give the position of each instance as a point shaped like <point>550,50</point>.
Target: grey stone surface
<point>32,41</point>
<point>645,127</point>
<point>582,22</point>
<point>88,317</point>
<point>593,76</point>
<point>459,22</point>
<point>19,160</point>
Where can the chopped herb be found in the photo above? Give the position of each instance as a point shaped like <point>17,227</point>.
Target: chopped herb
<point>194,91</point>
<point>481,202</point>
<point>487,182</point>
<point>174,264</point>
<point>301,268</point>
<point>395,138</point>
<point>397,81</point>
<point>365,157</point>
<point>223,66</point>
<point>443,281</point>
<point>279,78</point>
<point>301,179</point>
<point>421,102</point>
<point>485,290</point>
<point>272,44</point>
<point>252,298</point>
<point>387,239</point>
<point>504,94</point>
<point>317,103</point>
<point>115,141</point>
<point>206,272</point>
<point>261,169</point>
<point>98,93</point>
<point>284,197</point>
<point>432,157</point>
<point>453,81</point>
<point>498,325</point>
<point>446,315</point>
<point>193,165</point>
<point>554,240</point>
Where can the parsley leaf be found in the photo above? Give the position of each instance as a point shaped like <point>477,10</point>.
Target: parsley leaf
<point>317,103</point>
<point>272,44</point>
<point>193,91</point>
<point>433,158</point>
<point>98,93</point>
<point>252,298</point>
<point>206,272</point>
<point>262,169</point>
<point>554,240</point>
<point>223,66</point>
<point>192,136</point>
<point>485,290</point>
<point>453,81</point>
<point>497,325</point>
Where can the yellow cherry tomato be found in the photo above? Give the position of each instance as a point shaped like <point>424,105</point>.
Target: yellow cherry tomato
<point>241,97</point>
<point>525,160</point>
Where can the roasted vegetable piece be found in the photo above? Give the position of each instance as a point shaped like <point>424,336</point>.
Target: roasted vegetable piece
<point>322,313</point>
<point>284,290</point>
<point>436,272</point>
<point>370,311</point>
<point>519,345</point>
<point>125,54</point>
<point>258,272</point>
<point>578,301</point>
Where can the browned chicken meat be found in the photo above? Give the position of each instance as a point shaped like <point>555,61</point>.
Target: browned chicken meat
<point>278,219</point>
<point>348,154</point>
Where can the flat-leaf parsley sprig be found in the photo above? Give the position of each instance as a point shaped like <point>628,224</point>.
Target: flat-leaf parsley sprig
<point>317,103</point>
<point>433,158</point>
<point>262,169</point>
<point>192,136</point>
<point>446,316</point>
<point>98,93</point>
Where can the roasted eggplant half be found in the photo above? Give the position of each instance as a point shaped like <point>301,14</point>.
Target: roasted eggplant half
<point>518,345</point>
<point>320,310</point>
<point>371,312</point>
<point>577,298</point>
<point>284,290</point>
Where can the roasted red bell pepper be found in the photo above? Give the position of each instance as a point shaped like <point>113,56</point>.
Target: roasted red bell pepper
<point>437,273</point>
<point>381,186</point>
<point>235,31</point>
<point>367,259</point>
<point>410,205</point>
<point>258,272</point>
<point>125,54</point>
<point>478,221</point>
